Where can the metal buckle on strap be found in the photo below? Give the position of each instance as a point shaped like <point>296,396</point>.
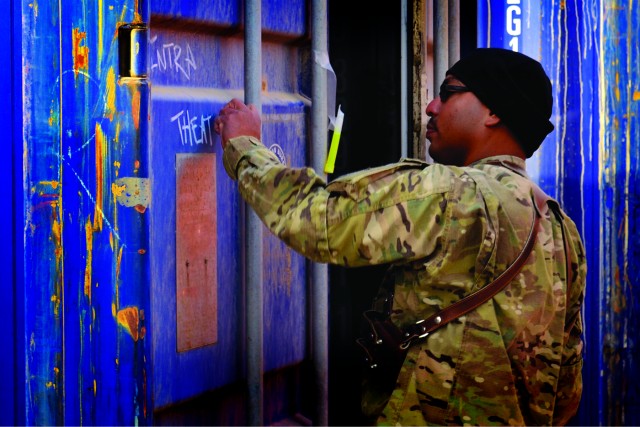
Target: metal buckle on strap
<point>417,331</point>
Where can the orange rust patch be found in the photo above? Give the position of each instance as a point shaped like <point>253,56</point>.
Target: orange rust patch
<point>128,318</point>
<point>80,53</point>
<point>135,109</point>
<point>88,265</point>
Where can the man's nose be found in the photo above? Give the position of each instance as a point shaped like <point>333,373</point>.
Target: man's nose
<point>433,107</point>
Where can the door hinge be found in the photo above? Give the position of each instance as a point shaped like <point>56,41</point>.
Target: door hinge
<point>132,50</point>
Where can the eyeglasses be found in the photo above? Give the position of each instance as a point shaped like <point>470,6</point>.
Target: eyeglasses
<point>447,90</point>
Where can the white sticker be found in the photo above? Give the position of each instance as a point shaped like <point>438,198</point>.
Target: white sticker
<point>278,151</point>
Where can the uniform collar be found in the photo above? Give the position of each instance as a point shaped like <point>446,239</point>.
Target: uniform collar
<point>513,163</point>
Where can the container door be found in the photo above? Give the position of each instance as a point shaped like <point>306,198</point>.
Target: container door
<point>86,216</point>
<point>196,65</point>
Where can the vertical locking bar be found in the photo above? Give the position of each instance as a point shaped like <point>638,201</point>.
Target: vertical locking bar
<point>254,275</point>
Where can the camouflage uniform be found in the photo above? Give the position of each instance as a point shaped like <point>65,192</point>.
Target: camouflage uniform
<point>448,230</point>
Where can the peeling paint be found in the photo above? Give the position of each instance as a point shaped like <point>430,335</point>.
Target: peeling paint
<point>128,318</point>
<point>46,188</point>
<point>89,258</point>
<point>132,192</point>
<point>80,53</point>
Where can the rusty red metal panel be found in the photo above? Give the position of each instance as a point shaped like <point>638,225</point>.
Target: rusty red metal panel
<point>196,251</point>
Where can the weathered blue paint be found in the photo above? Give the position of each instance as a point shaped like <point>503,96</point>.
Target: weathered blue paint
<point>43,258</point>
<point>278,16</point>
<point>285,314</point>
<point>179,376</point>
<point>223,13</point>
<point>569,165</point>
<point>86,294</point>
<point>286,17</point>
<point>619,144</point>
<point>590,163</point>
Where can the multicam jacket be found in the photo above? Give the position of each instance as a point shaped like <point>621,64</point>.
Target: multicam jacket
<point>448,230</point>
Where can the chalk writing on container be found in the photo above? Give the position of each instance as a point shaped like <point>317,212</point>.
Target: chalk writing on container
<point>173,58</point>
<point>194,130</point>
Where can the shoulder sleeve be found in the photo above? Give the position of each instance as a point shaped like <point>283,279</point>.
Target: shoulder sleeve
<point>388,214</point>
<point>380,215</point>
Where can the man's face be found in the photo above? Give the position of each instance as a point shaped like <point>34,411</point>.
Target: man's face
<point>453,125</point>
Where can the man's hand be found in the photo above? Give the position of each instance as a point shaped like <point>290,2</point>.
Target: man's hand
<point>237,119</point>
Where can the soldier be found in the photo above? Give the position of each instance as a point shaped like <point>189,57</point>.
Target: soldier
<point>448,229</point>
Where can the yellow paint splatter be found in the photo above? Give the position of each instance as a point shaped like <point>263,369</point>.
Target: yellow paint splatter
<point>129,320</point>
<point>80,53</point>
<point>100,151</point>
<point>116,137</point>
<point>111,94</point>
<point>52,184</point>
<point>56,237</point>
<point>35,8</point>
<point>100,35</point>
<point>53,117</point>
<point>117,190</point>
<point>118,264</point>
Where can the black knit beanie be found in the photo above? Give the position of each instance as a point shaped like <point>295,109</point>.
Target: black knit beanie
<point>515,88</point>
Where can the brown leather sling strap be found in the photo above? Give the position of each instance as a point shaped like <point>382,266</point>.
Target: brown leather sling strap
<point>423,328</point>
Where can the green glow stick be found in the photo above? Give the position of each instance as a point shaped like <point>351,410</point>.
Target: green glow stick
<point>335,140</point>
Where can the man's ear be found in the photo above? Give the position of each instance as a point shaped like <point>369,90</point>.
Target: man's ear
<point>492,119</point>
